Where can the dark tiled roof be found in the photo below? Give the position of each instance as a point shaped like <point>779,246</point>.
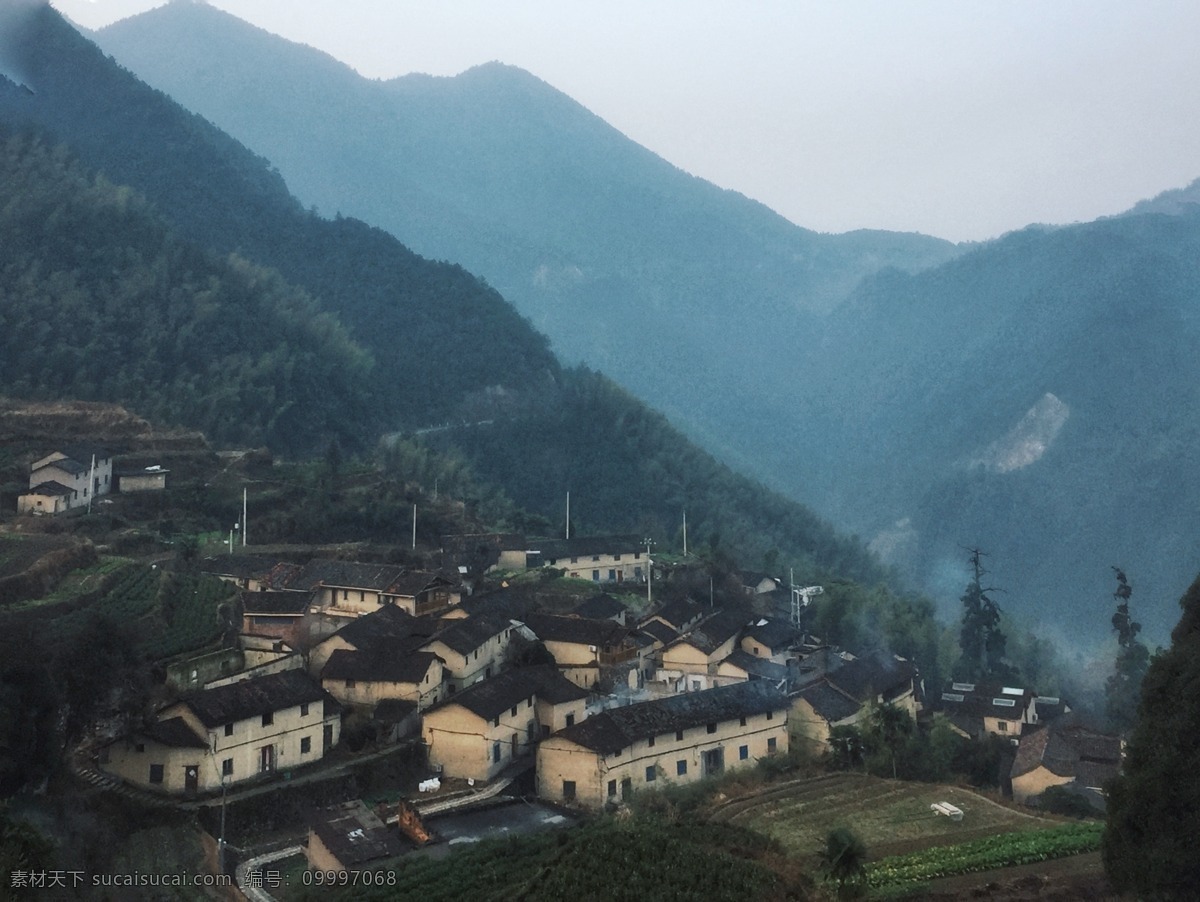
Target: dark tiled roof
<point>50,487</point>
<point>387,629</point>
<point>68,465</point>
<point>829,703</point>
<point>239,566</point>
<point>758,668</point>
<point>378,668</point>
<point>865,678</point>
<point>615,729</point>
<point>774,634</point>
<point>348,574</point>
<point>679,613</point>
<point>275,602</point>
<point>600,633</point>
<point>711,634</point>
<point>660,631</point>
<point>1070,751</point>
<point>495,695</point>
<point>84,452</point>
<point>505,602</point>
<point>587,546</point>
<point>355,835</point>
<point>600,607</point>
<point>253,698</point>
<point>967,700</point>
<point>175,732</point>
<point>465,636</point>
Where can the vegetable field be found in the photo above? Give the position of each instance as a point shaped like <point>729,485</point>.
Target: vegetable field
<point>889,816</point>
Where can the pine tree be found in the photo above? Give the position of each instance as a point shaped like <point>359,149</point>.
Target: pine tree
<point>982,643</point>
<point>1124,686</point>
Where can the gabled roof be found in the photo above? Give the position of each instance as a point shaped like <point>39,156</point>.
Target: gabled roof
<point>599,607</point>
<point>710,634</point>
<point>678,613</point>
<point>495,695</point>
<point>176,733</point>
<point>774,634</point>
<point>757,668</point>
<point>828,702</point>
<point>868,677</point>
<point>464,636</point>
<point>612,730</point>
<point>239,566</point>
<point>275,602</point>
<point>347,574</point>
<point>504,602</point>
<point>659,630</point>
<point>390,628</point>
<point>577,630</point>
<point>253,698</point>
<point>968,700</point>
<point>67,465</point>
<point>366,667</point>
<point>586,546</point>
<point>50,488</point>
<point>1090,757</point>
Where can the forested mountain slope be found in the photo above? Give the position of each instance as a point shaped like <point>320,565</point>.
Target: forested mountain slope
<point>693,297</point>
<point>444,345</point>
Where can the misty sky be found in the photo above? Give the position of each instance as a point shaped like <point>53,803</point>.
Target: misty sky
<point>957,119</point>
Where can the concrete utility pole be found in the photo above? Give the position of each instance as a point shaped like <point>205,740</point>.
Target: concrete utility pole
<point>649,573</point>
<point>245,523</point>
<point>567,535</point>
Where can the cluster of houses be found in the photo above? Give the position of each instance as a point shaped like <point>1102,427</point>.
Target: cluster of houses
<point>607,707</point>
<point>74,476</point>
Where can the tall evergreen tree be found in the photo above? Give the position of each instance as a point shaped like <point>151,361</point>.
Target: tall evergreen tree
<point>1125,683</point>
<point>982,643</point>
<point>1154,806</point>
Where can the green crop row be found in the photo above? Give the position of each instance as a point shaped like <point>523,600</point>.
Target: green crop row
<point>1003,850</point>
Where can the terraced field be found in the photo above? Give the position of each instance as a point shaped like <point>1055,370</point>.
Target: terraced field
<point>891,817</point>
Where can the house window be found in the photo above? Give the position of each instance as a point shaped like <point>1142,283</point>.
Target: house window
<point>651,774</point>
<point>742,721</point>
<point>770,715</point>
<point>712,728</point>
<point>570,720</point>
<point>496,721</point>
<point>227,767</point>
<point>743,752</point>
<point>771,746</point>
<point>513,712</point>
<point>268,718</point>
<point>305,745</point>
<point>156,773</point>
<point>1003,725</point>
<point>617,753</point>
<point>529,702</point>
<point>612,575</point>
<point>681,767</point>
<point>345,594</point>
<point>574,560</point>
<point>595,557</point>
<point>140,747</point>
<point>679,735</point>
<point>568,790</point>
<point>650,743</point>
<point>595,576</point>
<point>616,557</point>
<point>350,684</point>
<point>304,710</point>
<point>612,788</point>
<point>637,555</point>
<point>496,752</point>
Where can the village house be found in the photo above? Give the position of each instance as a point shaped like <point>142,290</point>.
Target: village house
<point>689,663</point>
<point>610,559</point>
<point>350,837</point>
<point>228,735</point>
<point>128,479</point>
<point>363,679</point>
<point>601,607</point>
<point>252,573</point>
<point>843,695</point>
<point>774,640</point>
<point>348,588</point>
<point>387,631</point>
<point>481,730</point>
<point>741,666</point>
<point>583,648</point>
<point>472,649</point>
<point>975,711</point>
<point>276,615</point>
<point>67,478</point>
<point>1067,755</point>
<point>676,739</point>
<point>759,583</point>
<point>680,615</point>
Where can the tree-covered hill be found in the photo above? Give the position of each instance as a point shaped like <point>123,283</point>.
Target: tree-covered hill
<point>101,302</point>
<point>418,318</point>
<point>445,346</point>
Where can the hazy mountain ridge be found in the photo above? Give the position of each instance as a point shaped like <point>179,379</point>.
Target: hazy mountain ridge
<point>664,281</point>
<point>442,342</point>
